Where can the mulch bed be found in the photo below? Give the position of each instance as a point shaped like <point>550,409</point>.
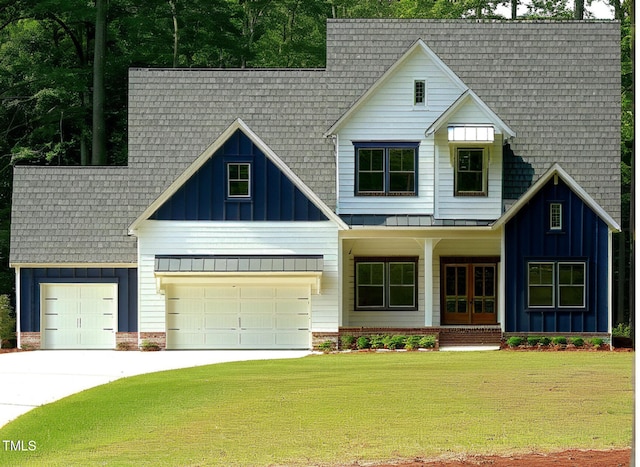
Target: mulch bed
<point>573,458</point>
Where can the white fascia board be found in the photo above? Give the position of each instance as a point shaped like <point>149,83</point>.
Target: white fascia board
<point>418,45</point>
<point>573,185</point>
<point>238,124</point>
<point>466,96</point>
<point>74,265</point>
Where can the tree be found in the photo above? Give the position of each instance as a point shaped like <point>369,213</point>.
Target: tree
<point>99,135</point>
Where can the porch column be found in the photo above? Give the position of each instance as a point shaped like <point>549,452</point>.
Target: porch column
<point>428,282</point>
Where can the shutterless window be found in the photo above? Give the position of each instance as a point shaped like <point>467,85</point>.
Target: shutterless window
<point>239,180</point>
<point>386,170</point>
<point>541,285</point>
<point>555,216</point>
<point>386,284</point>
<point>419,92</point>
<point>571,285</point>
<point>470,172</point>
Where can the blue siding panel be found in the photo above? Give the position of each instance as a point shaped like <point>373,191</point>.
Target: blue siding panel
<point>274,197</point>
<point>584,238</point>
<point>126,278</point>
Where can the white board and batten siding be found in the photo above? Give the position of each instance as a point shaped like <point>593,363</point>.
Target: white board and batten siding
<point>237,238</point>
<point>390,115</point>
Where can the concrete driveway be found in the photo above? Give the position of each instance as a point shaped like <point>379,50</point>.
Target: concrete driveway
<point>32,379</point>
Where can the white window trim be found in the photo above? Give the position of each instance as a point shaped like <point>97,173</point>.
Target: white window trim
<point>556,286</point>
<point>552,224</point>
<point>553,286</point>
<point>248,180</point>
<point>423,104</point>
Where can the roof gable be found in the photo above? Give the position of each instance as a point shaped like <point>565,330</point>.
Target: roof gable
<point>419,47</point>
<point>194,195</point>
<point>470,98</point>
<point>558,171</point>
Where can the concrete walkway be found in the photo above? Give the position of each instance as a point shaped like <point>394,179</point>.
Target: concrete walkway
<point>32,379</point>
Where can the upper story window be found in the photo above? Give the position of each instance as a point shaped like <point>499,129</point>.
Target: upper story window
<point>470,172</point>
<point>239,180</point>
<point>419,92</point>
<point>555,216</point>
<point>386,169</point>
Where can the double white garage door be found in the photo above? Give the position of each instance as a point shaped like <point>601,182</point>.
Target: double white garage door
<point>79,316</point>
<point>241,317</point>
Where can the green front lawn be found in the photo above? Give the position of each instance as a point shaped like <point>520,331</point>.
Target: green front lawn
<point>338,409</point>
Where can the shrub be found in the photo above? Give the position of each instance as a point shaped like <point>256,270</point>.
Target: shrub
<point>148,346</point>
<point>395,342</point>
<point>545,341</point>
<point>377,342</point>
<point>533,340</point>
<point>363,342</point>
<point>597,342</point>
<point>559,340</point>
<point>621,330</point>
<point>514,341</point>
<point>577,341</point>
<point>327,346</point>
<point>347,341</point>
<point>7,320</point>
<point>412,342</point>
<point>427,342</point>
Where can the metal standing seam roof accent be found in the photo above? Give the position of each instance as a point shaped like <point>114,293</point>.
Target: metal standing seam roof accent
<point>238,263</point>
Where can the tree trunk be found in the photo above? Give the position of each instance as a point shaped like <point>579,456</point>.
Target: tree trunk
<point>514,9</point>
<point>174,16</point>
<point>99,140</point>
<point>578,12</point>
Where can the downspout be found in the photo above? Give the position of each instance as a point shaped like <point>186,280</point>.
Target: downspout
<point>18,307</point>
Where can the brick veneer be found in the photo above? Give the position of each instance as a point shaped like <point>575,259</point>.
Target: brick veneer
<point>30,340</point>
<point>159,338</point>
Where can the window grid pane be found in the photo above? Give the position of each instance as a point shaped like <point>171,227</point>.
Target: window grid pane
<point>239,180</point>
<point>470,171</point>
<point>385,285</point>
<point>571,285</point>
<point>371,170</point>
<point>387,170</point>
<point>419,92</point>
<point>555,221</point>
<point>541,286</point>
<point>401,284</point>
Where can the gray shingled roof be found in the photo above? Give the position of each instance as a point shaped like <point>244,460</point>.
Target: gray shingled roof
<point>557,84</point>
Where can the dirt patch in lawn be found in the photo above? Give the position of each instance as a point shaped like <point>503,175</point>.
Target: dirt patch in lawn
<point>574,458</point>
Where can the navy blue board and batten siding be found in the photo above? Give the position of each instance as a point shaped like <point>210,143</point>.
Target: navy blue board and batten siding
<point>126,278</point>
<point>583,238</point>
<point>204,197</point>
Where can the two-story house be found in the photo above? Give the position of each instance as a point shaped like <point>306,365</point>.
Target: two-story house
<point>459,177</point>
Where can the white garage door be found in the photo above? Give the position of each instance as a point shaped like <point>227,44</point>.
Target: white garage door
<point>79,316</point>
<point>225,317</point>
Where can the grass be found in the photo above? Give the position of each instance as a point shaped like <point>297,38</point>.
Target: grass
<point>338,409</point>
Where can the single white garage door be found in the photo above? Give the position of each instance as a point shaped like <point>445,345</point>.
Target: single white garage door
<point>226,317</point>
<point>79,316</point>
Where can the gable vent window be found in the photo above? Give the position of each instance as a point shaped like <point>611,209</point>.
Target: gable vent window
<point>419,92</point>
<point>239,180</point>
<point>555,216</point>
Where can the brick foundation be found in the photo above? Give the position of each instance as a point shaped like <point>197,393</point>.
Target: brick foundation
<point>126,341</point>
<point>159,338</point>
<point>30,340</point>
<point>318,338</point>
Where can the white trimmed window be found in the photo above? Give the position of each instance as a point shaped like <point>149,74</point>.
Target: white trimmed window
<point>239,180</point>
<point>555,216</point>
<point>419,93</point>
<point>560,284</point>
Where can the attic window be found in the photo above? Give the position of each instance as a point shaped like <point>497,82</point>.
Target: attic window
<point>471,133</point>
<point>419,92</point>
<point>239,180</point>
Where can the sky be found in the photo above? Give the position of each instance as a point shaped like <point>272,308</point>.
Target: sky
<point>598,8</point>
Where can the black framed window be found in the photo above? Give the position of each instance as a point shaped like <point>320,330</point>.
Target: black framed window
<point>386,169</point>
<point>470,172</point>
<point>386,283</point>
